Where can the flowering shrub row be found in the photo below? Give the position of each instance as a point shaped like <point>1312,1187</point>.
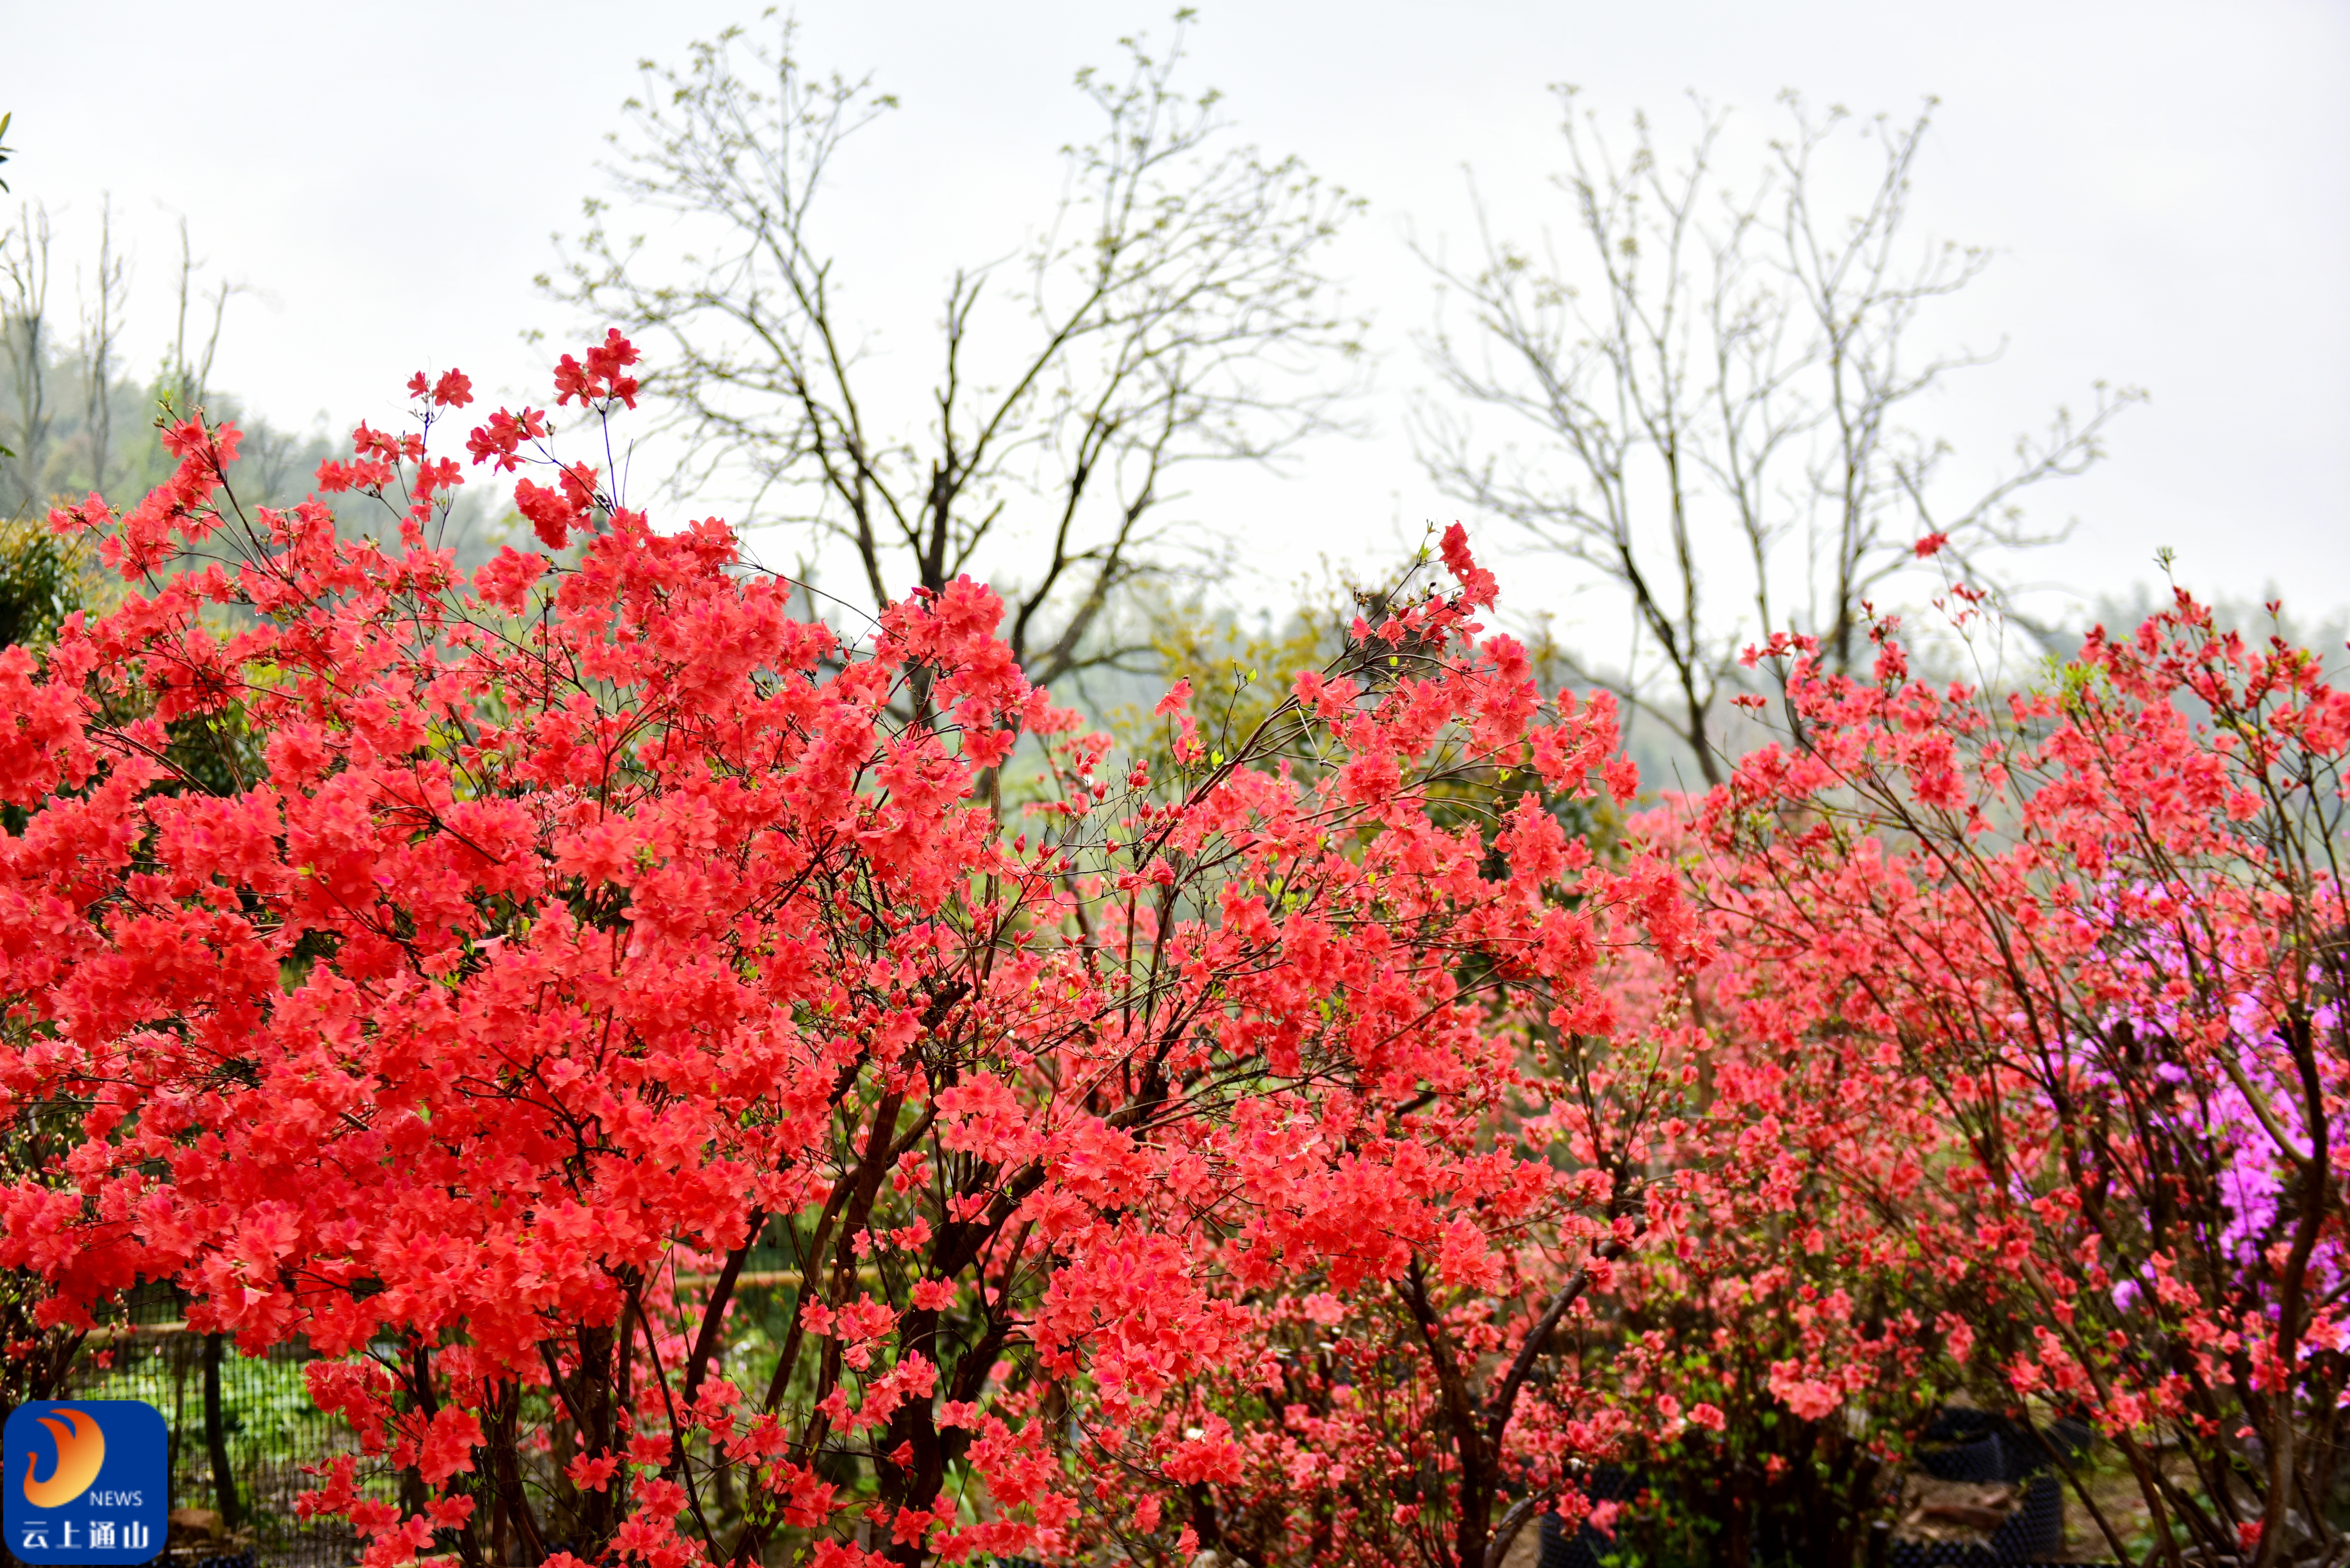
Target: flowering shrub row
<point>1319,1150</point>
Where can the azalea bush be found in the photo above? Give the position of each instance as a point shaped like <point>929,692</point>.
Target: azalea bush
<point>1431,1392</point>
<point>538,947</point>
<point>2092,932</point>
<point>1767,1373</point>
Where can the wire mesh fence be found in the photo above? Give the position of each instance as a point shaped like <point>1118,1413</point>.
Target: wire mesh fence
<point>244,1439</point>
<point>269,1432</point>
<point>247,1440</point>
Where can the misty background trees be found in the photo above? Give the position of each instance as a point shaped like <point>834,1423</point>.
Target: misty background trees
<point>1703,382</point>
<point>79,414</point>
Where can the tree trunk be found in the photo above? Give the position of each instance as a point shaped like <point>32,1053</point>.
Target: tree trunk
<point>216,1439</point>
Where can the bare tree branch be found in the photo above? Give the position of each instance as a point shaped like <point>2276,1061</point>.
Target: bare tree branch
<point>1719,384</point>
<point>1172,311</point>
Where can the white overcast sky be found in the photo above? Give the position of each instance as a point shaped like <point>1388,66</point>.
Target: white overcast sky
<point>2168,186</point>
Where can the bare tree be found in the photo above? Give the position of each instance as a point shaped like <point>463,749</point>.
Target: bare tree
<point>187,372</point>
<point>1720,380</point>
<point>101,327</point>
<point>25,344</point>
<point>1171,311</point>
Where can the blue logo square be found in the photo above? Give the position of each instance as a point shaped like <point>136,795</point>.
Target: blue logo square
<point>87,1482</point>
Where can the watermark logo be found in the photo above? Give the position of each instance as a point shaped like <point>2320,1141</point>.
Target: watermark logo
<point>87,1482</point>
<point>82,1454</point>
